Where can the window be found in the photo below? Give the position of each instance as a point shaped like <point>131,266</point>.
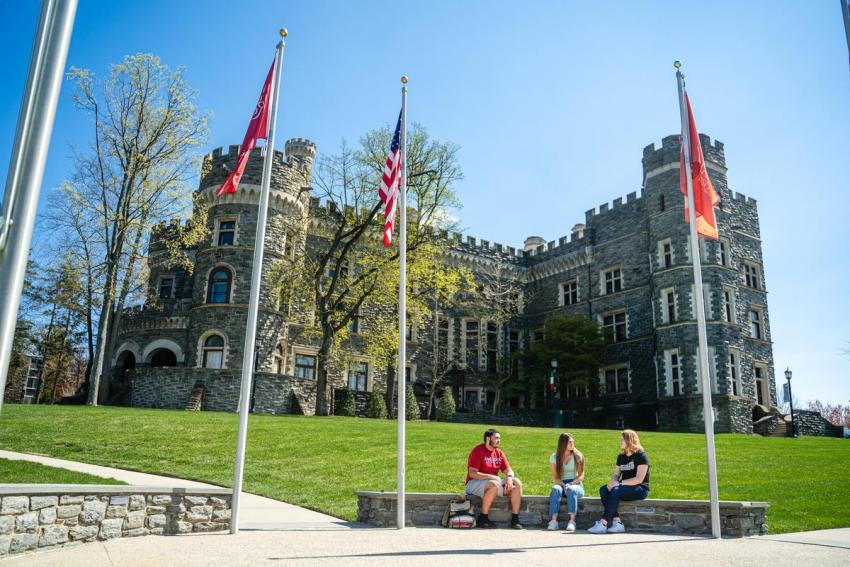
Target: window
<point>213,356</point>
<point>577,390</point>
<point>665,253</point>
<point>751,275</point>
<point>762,392</point>
<point>613,280</point>
<point>662,206</point>
<point>616,380</point>
<point>218,290</point>
<point>471,332</point>
<point>569,293</point>
<point>166,287</point>
<point>729,305</point>
<point>756,330</point>
<point>226,232</point>
<point>734,373</point>
<point>668,305</point>
<point>723,252</point>
<point>538,336</point>
<point>305,366</point>
<point>278,360</point>
<point>288,248</point>
<point>492,347</point>
<point>616,324</point>
<point>513,351</point>
<point>442,342</point>
<point>674,373</point>
<point>357,374</point>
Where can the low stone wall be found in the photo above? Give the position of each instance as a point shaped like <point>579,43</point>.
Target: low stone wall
<point>48,516</point>
<point>810,422</point>
<point>425,509</point>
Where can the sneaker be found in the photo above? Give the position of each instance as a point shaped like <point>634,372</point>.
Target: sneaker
<point>553,525</point>
<point>617,528</point>
<point>597,528</point>
<point>571,526</point>
<point>485,523</point>
<point>515,525</point>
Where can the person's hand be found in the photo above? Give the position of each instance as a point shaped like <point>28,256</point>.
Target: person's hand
<point>509,484</point>
<point>612,484</point>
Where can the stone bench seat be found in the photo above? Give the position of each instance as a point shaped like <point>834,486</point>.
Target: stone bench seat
<point>425,509</point>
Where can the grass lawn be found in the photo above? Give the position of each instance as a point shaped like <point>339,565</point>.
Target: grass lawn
<point>319,462</point>
<point>24,472</point>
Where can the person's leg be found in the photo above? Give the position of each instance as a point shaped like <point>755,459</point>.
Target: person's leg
<point>604,496</point>
<point>516,496</point>
<point>555,501</point>
<point>611,505</point>
<point>629,493</point>
<point>491,490</point>
<point>574,492</point>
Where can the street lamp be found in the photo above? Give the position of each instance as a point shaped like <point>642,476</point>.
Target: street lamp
<point>790,401</point>
<point>552,375</point>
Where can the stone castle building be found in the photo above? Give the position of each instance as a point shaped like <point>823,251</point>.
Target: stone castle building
<point>627,266</point>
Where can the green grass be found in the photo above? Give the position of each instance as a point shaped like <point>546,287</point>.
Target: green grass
<point>319,462</point>
<point>24,472</point>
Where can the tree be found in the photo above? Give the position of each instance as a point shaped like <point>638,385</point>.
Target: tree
<point>347,407</point>
<point>836,414</point>
<point>351,270</point>
<point>411,406</point>
<point>136,172</point>
<point>576,342</point>
<point>447,408</point>
<point>375,407</point>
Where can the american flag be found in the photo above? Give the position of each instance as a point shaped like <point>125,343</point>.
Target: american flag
<point>389,184</point>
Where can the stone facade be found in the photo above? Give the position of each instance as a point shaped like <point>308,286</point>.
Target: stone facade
<point>48,516</point>
<point>737,519</point>
<point>808,422</point>
<point>627,267</point>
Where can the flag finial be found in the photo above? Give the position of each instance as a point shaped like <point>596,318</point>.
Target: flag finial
<point>283,32</point>
<point>677,64</point>
<point>404,79</point>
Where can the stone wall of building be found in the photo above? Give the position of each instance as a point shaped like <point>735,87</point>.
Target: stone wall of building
<point>738,519</point>
<point>49,516</point>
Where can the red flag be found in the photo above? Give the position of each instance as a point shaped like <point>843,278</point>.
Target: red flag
<point>705,197</point>
<point>258,129</point>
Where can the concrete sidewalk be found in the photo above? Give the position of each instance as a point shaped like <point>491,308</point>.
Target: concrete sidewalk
<point>411,547</point>
<point>257,512</point>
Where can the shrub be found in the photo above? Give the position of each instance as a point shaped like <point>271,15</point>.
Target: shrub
<point>376,408</point>
<point>447,408</point>
<point>347,408</point>
<point>411,406</point>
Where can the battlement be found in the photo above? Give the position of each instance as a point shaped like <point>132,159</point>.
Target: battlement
<point>300,148</point>
<point>744,200</point>
<point>617,205</point>
<point>671,147</point>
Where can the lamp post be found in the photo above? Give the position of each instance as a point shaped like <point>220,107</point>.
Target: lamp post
<point>790,401</point>
<point>552,373</point>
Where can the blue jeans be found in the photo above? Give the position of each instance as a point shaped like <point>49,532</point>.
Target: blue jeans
<point>573,492</point>
<point>611,498</point>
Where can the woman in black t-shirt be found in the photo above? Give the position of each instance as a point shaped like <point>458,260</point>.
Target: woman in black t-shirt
<point>630,481</point>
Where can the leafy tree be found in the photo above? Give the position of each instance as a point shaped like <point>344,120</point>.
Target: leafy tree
<point>411,407</point>
<point>576,342</point>
<point>136,172</point>
<point>836,414</point>
<point>375,406</point>
<point>351,270</point>
<point>447,408</point>
<point>347,408</point>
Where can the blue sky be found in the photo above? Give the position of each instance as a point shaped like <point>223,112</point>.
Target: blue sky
<point>551,103</point>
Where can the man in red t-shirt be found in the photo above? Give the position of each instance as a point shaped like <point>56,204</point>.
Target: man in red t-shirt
<point>482,479</point>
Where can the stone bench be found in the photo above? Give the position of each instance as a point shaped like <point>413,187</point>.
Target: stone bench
<point>425,509</point>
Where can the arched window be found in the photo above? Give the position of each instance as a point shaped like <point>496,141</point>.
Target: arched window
<point>163,357</point>
<point>278,359</point>
<point>213,355</point>
<point>218,290</point>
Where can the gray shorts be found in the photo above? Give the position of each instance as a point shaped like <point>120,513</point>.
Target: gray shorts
<point>476,487</point>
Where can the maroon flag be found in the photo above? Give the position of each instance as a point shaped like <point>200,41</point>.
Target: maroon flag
<point>258,129</point>
<point>705,197</point>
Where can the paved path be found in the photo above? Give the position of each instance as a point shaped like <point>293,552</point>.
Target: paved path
<point>275,533</point>
<point>257,512</point>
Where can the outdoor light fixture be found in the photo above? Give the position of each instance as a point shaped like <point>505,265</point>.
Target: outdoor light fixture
<point>790,402</point>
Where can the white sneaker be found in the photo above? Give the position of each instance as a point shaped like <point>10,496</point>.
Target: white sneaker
<point>571,526</point>
<point>617,528</point>
<point>597,528</point>
<point>553,525</point>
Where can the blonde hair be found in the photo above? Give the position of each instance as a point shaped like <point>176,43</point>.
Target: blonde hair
<point>632,442</point>
<point>564,440</point>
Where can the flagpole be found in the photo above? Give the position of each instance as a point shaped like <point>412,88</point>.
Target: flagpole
<point>402,309</point>
<point>702,358</point>
<point>845,13</point>
<point>254,298</point>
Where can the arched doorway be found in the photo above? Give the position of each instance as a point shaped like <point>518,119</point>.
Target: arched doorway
<point>163,357</point>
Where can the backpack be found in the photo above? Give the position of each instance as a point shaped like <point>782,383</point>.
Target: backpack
<point>460,513</point>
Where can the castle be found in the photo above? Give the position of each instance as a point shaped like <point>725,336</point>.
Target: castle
<point>627,266</point>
